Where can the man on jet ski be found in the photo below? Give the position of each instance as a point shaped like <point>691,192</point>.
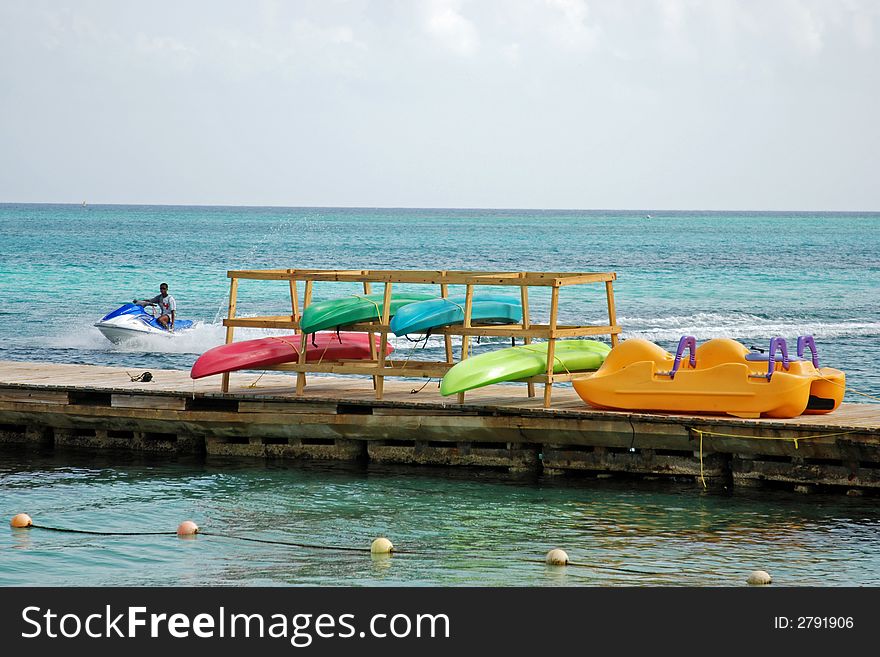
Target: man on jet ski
<point>166,303</point>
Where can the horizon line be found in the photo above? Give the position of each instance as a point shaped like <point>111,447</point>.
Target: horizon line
<point>415,207</point>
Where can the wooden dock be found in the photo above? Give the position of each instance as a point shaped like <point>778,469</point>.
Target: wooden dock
<point>499,426</point>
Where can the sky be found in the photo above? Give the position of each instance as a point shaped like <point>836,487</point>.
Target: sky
<point>584,104</point>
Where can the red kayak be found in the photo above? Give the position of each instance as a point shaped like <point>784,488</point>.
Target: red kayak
<point>324,346</point>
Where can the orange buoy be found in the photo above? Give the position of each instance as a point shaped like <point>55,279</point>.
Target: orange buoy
<point>187,528</point>
<point>21,520</point>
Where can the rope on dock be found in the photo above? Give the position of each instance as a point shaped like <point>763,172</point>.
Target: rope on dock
<point>847,388</point>
<point>855,392</point>
<point>416,391</point>
<point>701,433</point>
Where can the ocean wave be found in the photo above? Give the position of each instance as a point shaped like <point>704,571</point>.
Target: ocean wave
<point>741,325</point>
<point>205,335</point>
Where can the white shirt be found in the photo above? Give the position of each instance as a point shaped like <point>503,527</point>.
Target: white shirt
<point>167,304</point>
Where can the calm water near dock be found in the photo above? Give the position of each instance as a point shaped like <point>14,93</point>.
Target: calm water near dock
<point>466,528</point>
<point>743,275</point>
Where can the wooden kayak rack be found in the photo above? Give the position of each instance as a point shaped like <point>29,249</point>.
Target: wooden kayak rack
<point>381,366</point>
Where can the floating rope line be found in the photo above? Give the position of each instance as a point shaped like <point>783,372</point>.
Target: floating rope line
<point>598,567</point>
<point>94,533</point>
<point>701,433</point>
<point>497,556</point>
<point>310,546</point>
<point>215,535</point>
<point>338,548</point>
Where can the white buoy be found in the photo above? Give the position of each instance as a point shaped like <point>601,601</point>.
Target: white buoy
<point>21,520</point>
<point>381,545</point>
<point>187,528</point>
<point>557,557</point>
<point>759,578</point>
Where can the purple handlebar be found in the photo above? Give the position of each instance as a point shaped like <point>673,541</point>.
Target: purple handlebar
<point>808,341</point>
<point>686,342</point>
<point>776,343</point>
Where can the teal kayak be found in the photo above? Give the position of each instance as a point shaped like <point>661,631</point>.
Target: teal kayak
<point>423,316</point>
<point>334,313</point>
<point>521,362</point>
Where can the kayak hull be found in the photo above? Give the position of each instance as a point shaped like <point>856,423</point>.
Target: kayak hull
<point>266,352</point>
<point>514,363</point>
<point>422,316</point>
<point>334,313</point>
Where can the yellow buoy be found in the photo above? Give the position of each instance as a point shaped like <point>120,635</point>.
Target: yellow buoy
<point>381,546</point>
<point>759,578</point>
<point>21,520</point>
<point>557,557</point>
<point>187,528</point>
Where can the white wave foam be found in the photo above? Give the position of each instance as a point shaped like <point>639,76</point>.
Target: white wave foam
<point>201,337</point>
<point>703,326</point>
<point>741,325</point>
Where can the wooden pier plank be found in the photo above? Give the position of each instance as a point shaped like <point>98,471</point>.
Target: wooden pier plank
<point>147,401</point>
<point>506,397</point>
<point>34,396</point>
<point>496,426</point>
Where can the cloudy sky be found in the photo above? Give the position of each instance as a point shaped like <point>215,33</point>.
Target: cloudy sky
<point>643,104</point>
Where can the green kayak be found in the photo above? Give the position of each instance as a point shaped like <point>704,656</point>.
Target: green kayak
<point>521,362</point>
<point>334,313</point>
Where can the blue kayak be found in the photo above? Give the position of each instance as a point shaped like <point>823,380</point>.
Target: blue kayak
<point>423,316</point>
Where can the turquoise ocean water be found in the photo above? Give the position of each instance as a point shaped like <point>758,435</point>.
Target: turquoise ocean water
<point>746,275</point>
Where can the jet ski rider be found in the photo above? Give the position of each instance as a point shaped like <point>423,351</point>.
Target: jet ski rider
<point>166,303</point>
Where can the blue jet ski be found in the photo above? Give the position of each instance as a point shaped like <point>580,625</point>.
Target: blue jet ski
<point>133,321</point>
<point>422,316</point>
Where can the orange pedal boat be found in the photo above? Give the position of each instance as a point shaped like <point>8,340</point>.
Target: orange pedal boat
<point>719,376</point>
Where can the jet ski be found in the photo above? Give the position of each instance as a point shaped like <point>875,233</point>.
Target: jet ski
<point>133,321</point>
